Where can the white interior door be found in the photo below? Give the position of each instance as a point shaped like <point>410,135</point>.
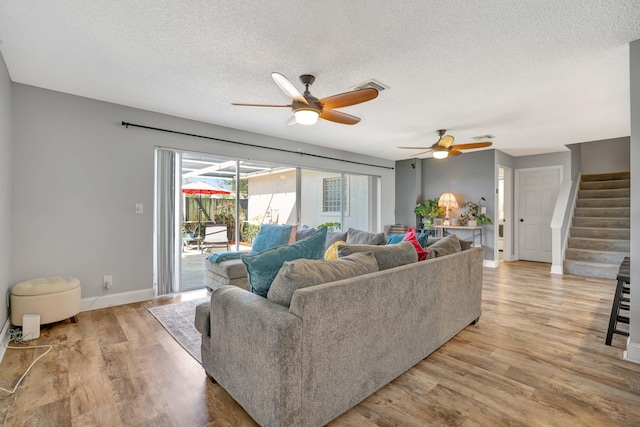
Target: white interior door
<point>537,191</point>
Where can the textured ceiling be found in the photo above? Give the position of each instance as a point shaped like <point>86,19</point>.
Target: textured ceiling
<point>536,74</point>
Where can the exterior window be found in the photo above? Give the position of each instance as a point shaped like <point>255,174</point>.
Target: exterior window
<point>331,195</point>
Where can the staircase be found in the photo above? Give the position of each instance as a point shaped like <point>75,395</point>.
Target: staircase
<point>599,235</point>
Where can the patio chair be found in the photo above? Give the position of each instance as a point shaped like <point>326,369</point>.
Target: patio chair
<point>215,235</point>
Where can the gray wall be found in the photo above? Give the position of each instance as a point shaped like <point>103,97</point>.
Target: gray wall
<point>634,327</point>
<point>77,175</point>
<point>609,155</point>
<point>408,190</point>
<point>469,177</point>
<point>543,160</point>
<point>5,188</point>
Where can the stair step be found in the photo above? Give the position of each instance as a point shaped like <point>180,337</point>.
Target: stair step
<point>603,185</point>
<point>601,222</point>
<point>604,194</point>
<point>601,233</point>
<point>619,202</point>
<point>594,256</point>
<point>608,245</point>
<point>605,176</point>
<point>591,269</point>
<point>602,212</point>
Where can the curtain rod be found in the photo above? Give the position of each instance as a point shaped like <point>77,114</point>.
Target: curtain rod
<point>126,124</point>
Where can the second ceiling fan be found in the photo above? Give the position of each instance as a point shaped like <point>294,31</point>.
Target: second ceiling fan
<point>307,108</point>
<point>444,147</point>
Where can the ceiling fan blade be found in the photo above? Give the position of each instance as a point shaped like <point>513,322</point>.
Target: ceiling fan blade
<point>445,141</point>
<point>416,148</point>
<point>261,105</point>
<point>339,117</point>
<point>472,145</point>
<point>423,152</point>
<point>288,88</point>
<point>349,98</point>
<point>454,152</point>
<point>292,121</point>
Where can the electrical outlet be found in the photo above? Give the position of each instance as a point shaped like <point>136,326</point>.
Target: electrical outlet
<point>108,281</point>
<point>139,208</point>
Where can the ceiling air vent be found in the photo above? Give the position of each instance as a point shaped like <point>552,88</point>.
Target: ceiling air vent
<point>483,137</point>
<point>371,84</point>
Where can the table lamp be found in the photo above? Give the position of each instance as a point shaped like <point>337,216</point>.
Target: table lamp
<point>448,201</point>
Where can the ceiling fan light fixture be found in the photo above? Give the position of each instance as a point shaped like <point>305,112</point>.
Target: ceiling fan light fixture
<point>440,154</point>
<point>306,116</point>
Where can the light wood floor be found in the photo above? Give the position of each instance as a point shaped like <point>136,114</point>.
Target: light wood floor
<point>536,358</point>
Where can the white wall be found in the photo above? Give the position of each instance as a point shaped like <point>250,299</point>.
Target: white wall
<point>77,175</point>
<point>633,348</point>
<point>5,188</point>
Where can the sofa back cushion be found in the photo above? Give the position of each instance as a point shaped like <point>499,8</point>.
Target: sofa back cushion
<point>262,267</point>
<point>360,237</point>
<point>388,256</point>
<point>446,246</point>
<point>303,273</point>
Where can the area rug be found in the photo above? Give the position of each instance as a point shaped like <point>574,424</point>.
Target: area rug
<point>177,319</point>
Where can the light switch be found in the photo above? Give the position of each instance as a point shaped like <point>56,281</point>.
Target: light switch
<point>139,208</point>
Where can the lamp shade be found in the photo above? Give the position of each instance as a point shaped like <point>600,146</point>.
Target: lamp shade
<point>448,200</point>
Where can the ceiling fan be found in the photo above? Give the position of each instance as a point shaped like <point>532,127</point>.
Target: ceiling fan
<point>307,108</point>
<point>444,148</point>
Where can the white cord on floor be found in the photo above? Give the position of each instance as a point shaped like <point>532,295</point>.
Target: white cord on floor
<point>16,335</point>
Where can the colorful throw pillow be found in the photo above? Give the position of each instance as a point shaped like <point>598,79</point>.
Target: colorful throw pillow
<point>423,239</point>
<point>262,267</point>
<point>271,235</point>
<point>388,256</point>
<point>332,251</point>
<point>392,239</point>
<point>224,256</point>
<point>360,237</point>
<point>410,236</point>
<point>302,273</point>
<point>294,232</point>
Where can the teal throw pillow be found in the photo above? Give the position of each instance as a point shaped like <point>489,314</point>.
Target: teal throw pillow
<point>392,239</point>
<point>271,235</point>
<point>263,267</point>
<point>422,239</point>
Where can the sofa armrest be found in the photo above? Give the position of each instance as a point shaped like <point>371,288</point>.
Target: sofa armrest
<point>255,354</point>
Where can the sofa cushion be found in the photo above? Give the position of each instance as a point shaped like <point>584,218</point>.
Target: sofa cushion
<point>271,235</point>
<point>446,246</point>
<point>411,237</point>
<point>335,236</point>
<point>360,237</point>
<point>303,273</point>
<point>464,244</point>
<point>332,251</point>
<point>304,232</point>
<point>388,256</point>
<point>232,269</point>
<point>262,267</point>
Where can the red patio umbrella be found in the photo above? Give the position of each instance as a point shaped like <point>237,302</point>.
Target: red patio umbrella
<point>200,188</point>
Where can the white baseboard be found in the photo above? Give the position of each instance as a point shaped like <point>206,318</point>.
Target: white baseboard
<point>4,338</point>
<point>556,269</point>
<point>632,354</point>
<point>109,300</point>
<point>490,263</point>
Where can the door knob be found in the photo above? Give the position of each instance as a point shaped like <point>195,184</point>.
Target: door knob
<point>521,220</point>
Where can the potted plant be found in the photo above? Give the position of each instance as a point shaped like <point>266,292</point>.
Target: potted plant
<point>472,217</point>
<point>428,210</point>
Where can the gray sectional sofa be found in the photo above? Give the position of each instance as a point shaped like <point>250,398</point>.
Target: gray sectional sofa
<point>337,343</point>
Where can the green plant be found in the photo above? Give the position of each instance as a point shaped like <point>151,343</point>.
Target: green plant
<point>429,208</point>
<point>473,213</point>
<point>332,226</point>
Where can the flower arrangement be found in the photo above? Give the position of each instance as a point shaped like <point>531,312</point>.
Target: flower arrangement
<point>473,213</point>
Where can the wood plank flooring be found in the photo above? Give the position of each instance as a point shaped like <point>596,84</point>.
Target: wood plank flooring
<point>536,358</point>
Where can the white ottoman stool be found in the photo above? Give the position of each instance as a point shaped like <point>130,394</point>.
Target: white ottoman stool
<point>53,298</point>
